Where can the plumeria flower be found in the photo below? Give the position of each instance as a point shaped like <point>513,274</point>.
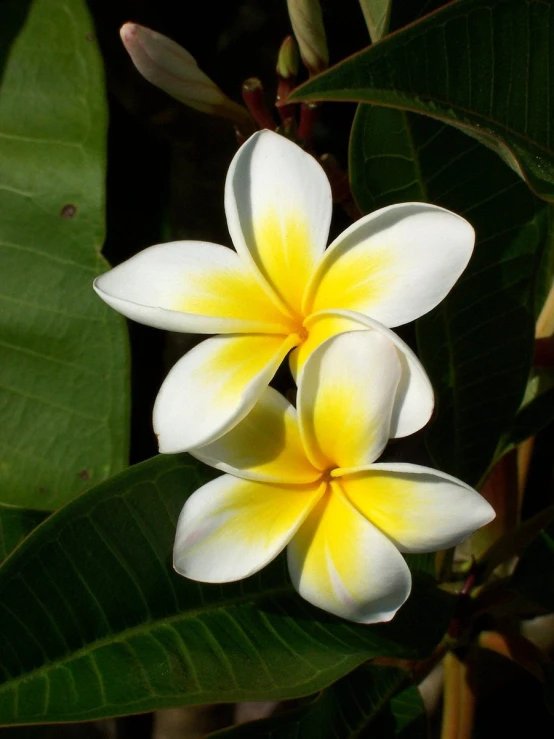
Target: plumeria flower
<point>308,480</point>
<point>281,291</point>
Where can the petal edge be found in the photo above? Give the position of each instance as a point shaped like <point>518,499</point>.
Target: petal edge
<point>420,509</point>
<point>213,387</point>
<point>190,286</point>
<point>393,265</point>
<point>340,562</point>
<point>278,205</point>
<point>231,528</point>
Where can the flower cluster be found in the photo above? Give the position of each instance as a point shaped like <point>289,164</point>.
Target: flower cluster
<point>304,478</point>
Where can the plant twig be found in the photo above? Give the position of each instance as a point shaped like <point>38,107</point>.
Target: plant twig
<point>459,698</point>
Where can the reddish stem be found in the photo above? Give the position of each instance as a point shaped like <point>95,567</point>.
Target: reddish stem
<point>544,352</point>
<point>253,96</point>
<point>309,113</point>
<point>284,89</point>
<point>462,610</point>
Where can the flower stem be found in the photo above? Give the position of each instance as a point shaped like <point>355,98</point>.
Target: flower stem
<point>459,698</point>
<point>286,112</point>
<point>309,113</point>
<point>253,96</point>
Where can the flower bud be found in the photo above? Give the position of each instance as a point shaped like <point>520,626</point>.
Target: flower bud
<point>287,61</point>
<point>307,24</point>
<point>168,66</point>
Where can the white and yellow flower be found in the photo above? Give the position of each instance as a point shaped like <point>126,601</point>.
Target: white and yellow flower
<point>308,481</point>
<point>282,290</point>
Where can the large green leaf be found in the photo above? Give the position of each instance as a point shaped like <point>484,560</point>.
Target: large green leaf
<point>384,163</point>
<point>63,353</point>
<point>371,698</point>
<point>95,622</point>
<point>15,524</point>
<point>479,64</point>
<point>477,344</point>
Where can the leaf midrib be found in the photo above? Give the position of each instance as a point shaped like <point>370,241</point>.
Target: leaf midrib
<point>125,634</point>
<point>477,118</point>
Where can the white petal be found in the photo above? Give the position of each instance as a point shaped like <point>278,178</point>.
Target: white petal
<point>394,265</point>
<point>342,563</point>
<point>278,205</point>
<point>414,400</point>
<point>213,387</point>
<point>346,393</point>
<point>190,286</point>
<point>265,445</point>
<point>231,528</point>
<point>418,508</point>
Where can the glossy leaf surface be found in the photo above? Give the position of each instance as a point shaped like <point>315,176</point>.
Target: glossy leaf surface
<point>63,353</point>
<point>113,630</point>
<point>15,524</point>
<point>483,65</point>
<point>477,344</point>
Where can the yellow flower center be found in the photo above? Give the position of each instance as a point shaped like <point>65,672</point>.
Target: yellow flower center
<point>301,332</point>
<point>297,328</point>
<point>327,475</point>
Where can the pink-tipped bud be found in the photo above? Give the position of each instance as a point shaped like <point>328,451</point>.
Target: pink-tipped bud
<point>307,24</point>
<point>168,66</point>
<point>287,61</point>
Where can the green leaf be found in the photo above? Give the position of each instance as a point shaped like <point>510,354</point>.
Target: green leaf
<point>95,622</point>
<point>481,65</point>
<point>477,344</point>
<point>410,717</point>
<point>371,698</point>
<point>15,524</point>
<point>534,575</point>
<point>377,17</point>
<point>63,353</point>
<point>530,419</point>
<point>384,164</point>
